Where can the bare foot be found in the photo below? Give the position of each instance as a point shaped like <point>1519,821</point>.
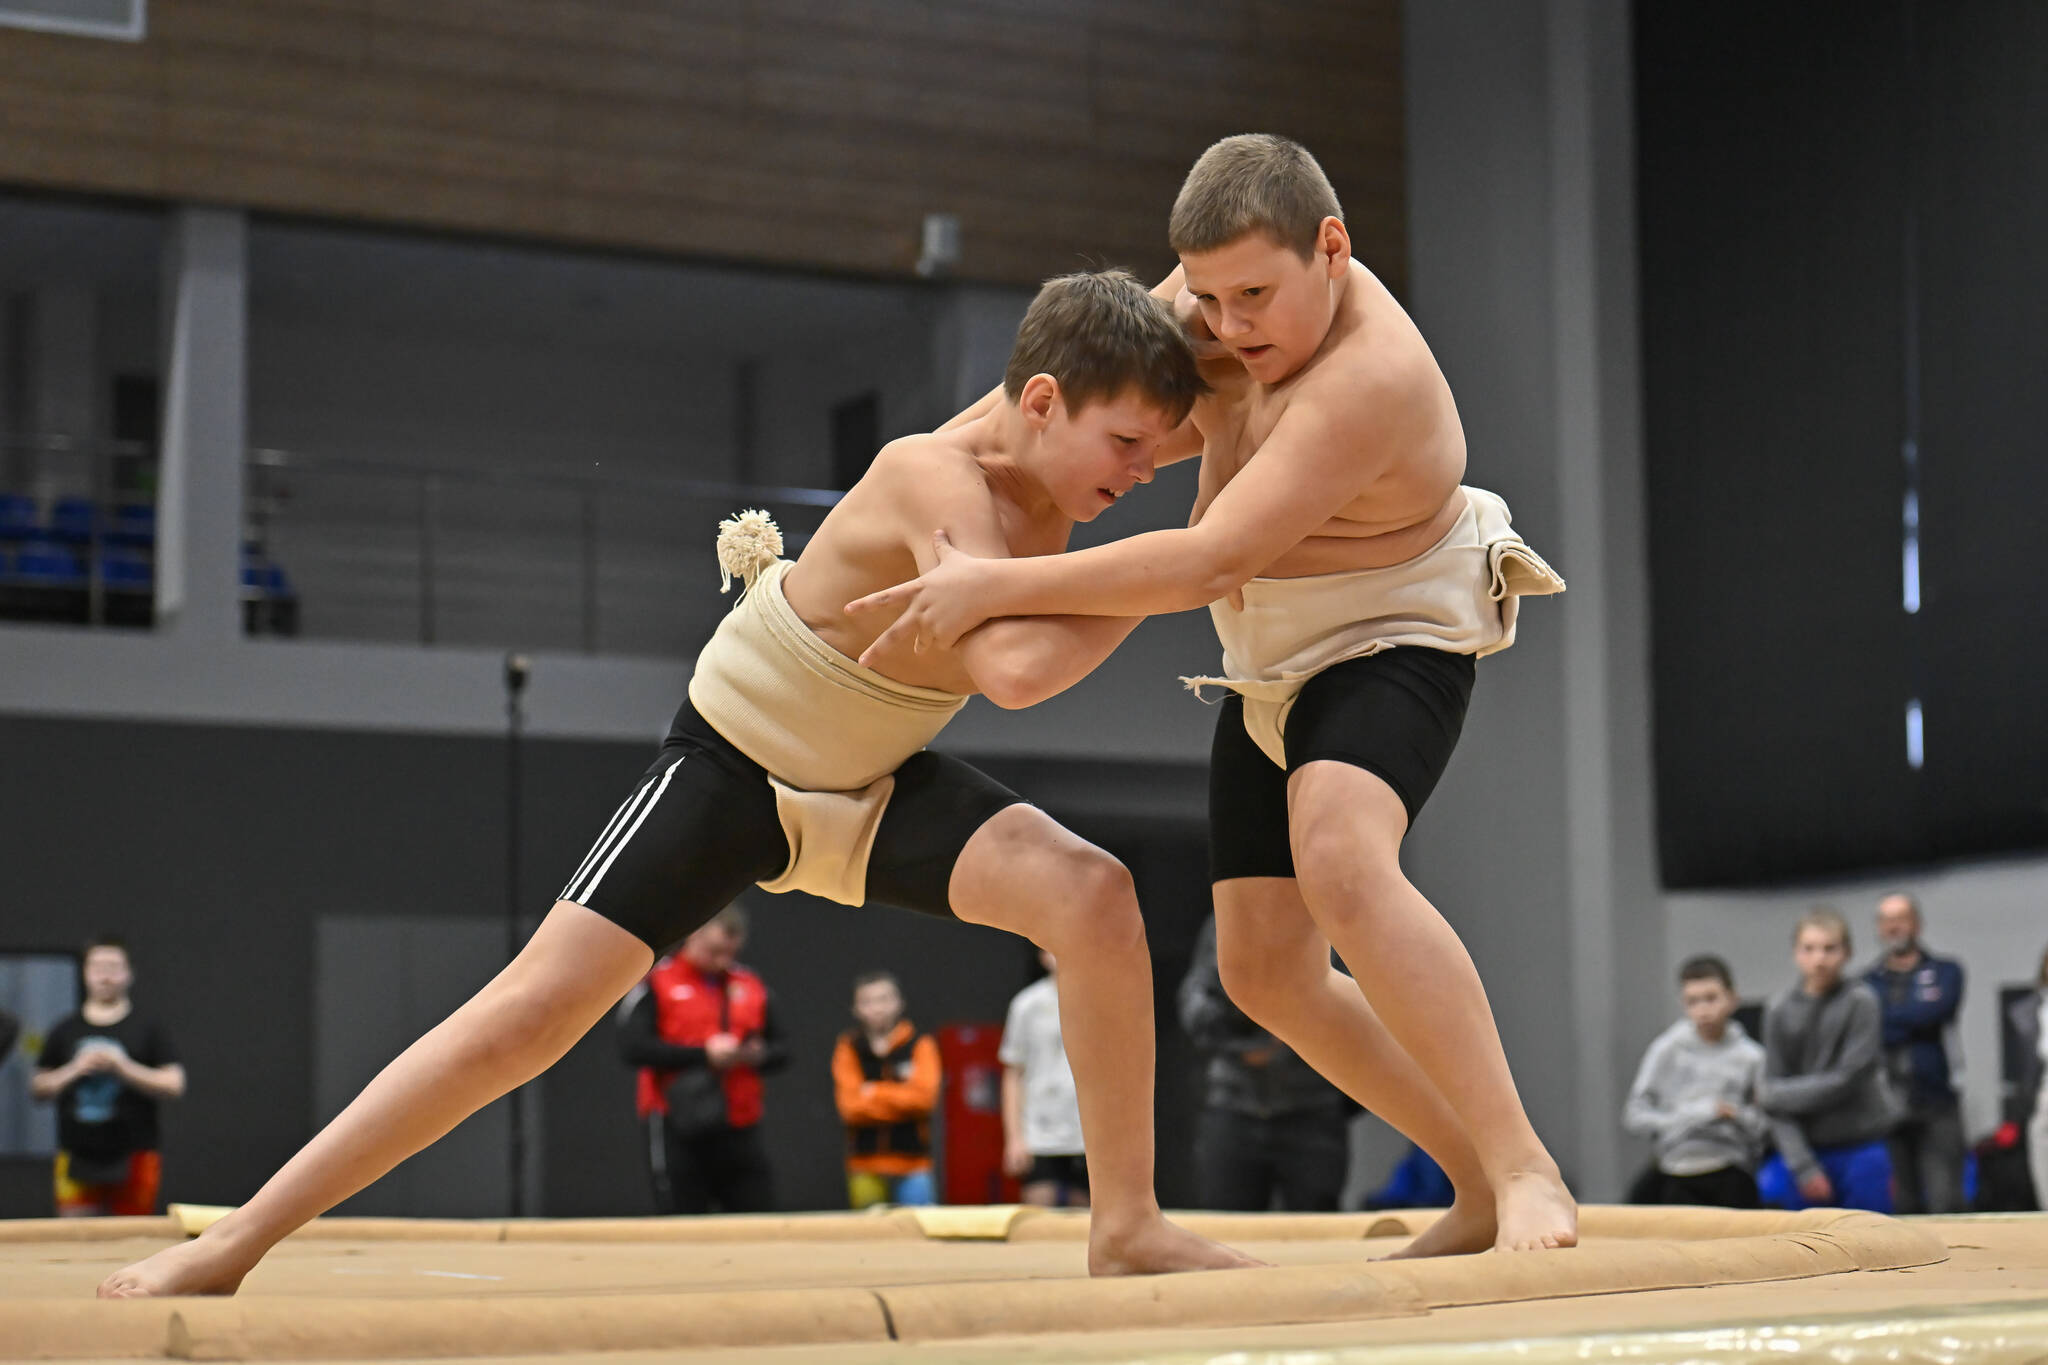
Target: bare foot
<point>195,1267</point>
<point>1156,1247</point>
<point>1536,1213</point>
<point>1468,1226</point>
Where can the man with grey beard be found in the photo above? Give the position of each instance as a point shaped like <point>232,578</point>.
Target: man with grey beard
<point>1921,995</point>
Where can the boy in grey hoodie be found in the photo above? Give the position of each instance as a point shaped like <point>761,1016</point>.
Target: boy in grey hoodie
<point>1696,1096</point>
<point>1825,1087</point>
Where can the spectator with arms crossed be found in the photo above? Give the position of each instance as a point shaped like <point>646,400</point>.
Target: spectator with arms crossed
<point>107,1068</point>
<point>1824,1082</point>
<point>1695,1095</point>
<point>1920,995</point>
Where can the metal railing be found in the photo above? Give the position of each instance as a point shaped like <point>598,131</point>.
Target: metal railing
<point>486,549</point>
<point>439,554</point>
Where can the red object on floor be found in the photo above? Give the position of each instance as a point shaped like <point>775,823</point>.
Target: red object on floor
<point>971,1157</point>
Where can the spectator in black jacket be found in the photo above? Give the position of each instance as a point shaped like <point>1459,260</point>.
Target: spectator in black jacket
<point>2034,1082</point>
<point>1921,995</point>
<point>1270,1124</point>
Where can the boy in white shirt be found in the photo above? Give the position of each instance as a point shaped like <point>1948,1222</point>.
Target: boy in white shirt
<point>1041,1116</point>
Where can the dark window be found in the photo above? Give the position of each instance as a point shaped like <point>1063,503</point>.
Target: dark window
<point>856,435</point>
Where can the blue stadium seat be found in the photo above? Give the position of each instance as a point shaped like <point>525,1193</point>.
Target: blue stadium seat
<point>45,563</point>
<point>124,569</point>
<point>18,518</point>
<point>71,520</point>
<point>134,523</point>
<point>262,577</point>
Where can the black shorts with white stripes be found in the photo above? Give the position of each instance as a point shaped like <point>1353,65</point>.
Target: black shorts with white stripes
<point>701,827</point>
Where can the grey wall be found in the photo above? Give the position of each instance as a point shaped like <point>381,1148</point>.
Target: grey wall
<point>1537,845</point>
<point>229,856</point>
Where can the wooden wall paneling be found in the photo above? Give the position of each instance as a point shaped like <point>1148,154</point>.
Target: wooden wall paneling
<point>803,132</point>
<point>1009,31</point>
<point>329,32</point>
<point>1222,22</point>
<point>708,61</point>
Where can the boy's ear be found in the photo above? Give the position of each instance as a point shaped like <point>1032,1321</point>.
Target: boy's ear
<point>1037,399</point>
<point>1333,243</point>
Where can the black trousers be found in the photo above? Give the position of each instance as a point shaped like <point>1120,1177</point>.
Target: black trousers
<point>724,1170</point>
<point>1731,1187</point>
<point>1243,1161</point>
<point>1927,1160</point>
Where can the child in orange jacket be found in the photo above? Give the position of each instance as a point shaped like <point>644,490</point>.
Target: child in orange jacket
<point>885,1076</point>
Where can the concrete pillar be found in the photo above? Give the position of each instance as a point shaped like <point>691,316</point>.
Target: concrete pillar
<point>1539,844</point>
<point>971,338</point>
<point>205,369</point>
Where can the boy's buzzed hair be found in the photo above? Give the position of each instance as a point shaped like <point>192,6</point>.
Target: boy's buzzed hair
<point>1707,967</point>
<point>1100,333</point>
<point>866,979</point>
<point>1829,920</point>
<point>1254,182</point>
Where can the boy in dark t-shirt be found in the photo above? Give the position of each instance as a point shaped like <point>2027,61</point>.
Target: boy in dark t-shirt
<point>107,1067</point>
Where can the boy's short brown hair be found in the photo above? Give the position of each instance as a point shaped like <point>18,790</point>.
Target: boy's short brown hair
<point>1100,333</point>
<point>1254,182</point>
<point>1706,967</point>
<point>1829,920</point>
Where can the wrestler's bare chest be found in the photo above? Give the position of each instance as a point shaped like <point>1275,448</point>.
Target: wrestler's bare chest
<point>1402,513</point>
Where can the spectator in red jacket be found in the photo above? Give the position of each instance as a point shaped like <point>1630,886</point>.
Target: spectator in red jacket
<point>703,1032</point>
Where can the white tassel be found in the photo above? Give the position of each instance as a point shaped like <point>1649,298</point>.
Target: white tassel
<point>747,544</point>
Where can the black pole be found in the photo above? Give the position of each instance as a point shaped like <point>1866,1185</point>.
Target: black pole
<point>515,718</point>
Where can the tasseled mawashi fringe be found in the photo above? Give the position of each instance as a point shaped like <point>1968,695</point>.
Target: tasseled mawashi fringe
<point>747,544</point>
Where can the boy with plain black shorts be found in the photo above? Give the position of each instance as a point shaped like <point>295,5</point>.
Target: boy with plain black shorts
<point>793,766</point>
<point>1353,582</point>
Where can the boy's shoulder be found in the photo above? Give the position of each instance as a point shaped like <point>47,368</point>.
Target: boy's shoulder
<point>935,472</point>
<point>921,454</point>
<point>1673,1035</point>
<point>1774,1006</point>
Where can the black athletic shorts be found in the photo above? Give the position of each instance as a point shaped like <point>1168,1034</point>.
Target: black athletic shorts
<point>701,827</point>
<point>1068,1171</point>
<point>1395,714</point>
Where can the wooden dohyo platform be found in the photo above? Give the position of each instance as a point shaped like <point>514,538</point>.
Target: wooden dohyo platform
<point>1006,1284</point>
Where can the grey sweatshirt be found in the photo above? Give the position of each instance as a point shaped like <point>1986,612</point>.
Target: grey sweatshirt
<point>1824,1077</point>
<point>1679,1090</point>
